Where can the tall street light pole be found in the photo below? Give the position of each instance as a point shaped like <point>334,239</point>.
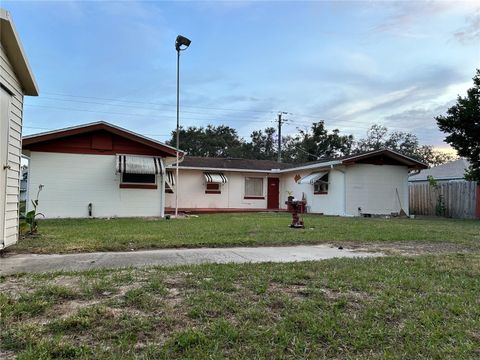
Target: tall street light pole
<point>181,43</point>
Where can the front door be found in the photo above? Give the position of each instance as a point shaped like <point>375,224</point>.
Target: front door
<point>273,193</point>
<point>4,127</point>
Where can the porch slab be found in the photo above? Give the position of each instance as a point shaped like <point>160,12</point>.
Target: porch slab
<point>219,210</point>
<point>34,263</point>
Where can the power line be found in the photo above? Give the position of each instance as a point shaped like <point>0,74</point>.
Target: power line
<point>318,117</point>
<point>143,115</point>
<point>337,123</point>
<point>122,105</point>
<point>162,104</point>
<point>306,152</point>
<point>51,129</point>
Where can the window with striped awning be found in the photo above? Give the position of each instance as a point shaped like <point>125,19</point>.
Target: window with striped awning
<point>215,178</point>
<point>170,182</point>
<point>135,164</point>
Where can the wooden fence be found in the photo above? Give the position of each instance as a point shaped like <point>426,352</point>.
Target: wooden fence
<point>459,199</point>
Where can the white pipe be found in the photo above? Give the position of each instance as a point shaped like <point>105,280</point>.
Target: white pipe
<point>162,194</point>
<point>344,191</point>
<point>27,195</point>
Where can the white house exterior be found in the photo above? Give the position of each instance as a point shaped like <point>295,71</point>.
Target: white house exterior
<point>85,171</point>
<point>16,80</point>
<point>356,185</point>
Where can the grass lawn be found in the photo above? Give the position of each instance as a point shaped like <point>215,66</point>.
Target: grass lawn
<point>87,235</point>
<point>391,307</point>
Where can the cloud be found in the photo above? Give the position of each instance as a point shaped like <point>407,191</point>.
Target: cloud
<point>419,85</point>
<point>405,15</point>
<point>471,31</point>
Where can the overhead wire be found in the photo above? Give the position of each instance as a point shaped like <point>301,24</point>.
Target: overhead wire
<point>334,124</point>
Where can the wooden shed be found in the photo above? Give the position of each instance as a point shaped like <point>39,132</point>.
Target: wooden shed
<point>16,81</point>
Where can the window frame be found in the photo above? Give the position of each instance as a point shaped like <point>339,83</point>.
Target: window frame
<point>138,185</point>
<point>321,182</point>
<point>213,188</point>
<point>253,197</point>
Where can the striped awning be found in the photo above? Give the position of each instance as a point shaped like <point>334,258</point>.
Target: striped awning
<point>170,177</point>
<point>216,178</point>
<point>312,178</point>
<point>135,164</point>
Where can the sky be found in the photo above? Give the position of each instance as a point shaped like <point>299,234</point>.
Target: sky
<point>349,63</point>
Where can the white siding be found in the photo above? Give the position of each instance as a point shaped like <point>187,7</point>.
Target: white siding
<point>9,80</point>
<point>372,188</point>
<point>192,192</point>
<point>72,181</point>
<point>328,204</point>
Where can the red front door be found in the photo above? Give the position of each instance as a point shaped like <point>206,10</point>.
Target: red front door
<point>273,193</point>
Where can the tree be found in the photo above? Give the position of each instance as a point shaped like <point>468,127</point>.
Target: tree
<point>428,155</point>
<point>317,142</point>
<point>378,137</point>
<point>375,140</point>
<point>462,124</point>
<point>262,145</point>
<point>220,141</point>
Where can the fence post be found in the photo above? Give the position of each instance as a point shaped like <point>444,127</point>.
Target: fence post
<point>477,209</point>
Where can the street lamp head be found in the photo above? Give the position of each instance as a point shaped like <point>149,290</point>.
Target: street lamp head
<point>182,43</point>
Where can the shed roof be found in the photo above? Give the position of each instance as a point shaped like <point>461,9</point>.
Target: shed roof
<point>14,50</point>
<point>453,170</point>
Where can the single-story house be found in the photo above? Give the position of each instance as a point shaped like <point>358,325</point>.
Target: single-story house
<point>16,81</point>
<point>102,170</point>
<point>451,171</point>
<point>98,170</point>
<point>350,186</point>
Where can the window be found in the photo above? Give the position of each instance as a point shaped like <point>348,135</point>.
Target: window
<point>138,181</point>
<point>213,188</point>
<point>321,185</point>
<point>253,188</point>
<point>168,189</point>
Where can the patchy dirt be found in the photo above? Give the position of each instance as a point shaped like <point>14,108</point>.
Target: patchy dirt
<point>405,247</point>
<point>15,286</point>
<point>69,308</point>
<point>301,292</point>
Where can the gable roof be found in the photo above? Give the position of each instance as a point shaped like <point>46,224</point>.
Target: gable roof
<point>14,50</point>
<point>359,158</point>
<point>453,170</point>
<point>383,156</point>
<point>100,125</point>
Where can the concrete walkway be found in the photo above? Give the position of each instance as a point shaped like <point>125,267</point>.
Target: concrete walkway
<point>85,261</point>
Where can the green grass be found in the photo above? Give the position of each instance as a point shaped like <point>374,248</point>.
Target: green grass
<point>390,307</point>
<point>73,235</point>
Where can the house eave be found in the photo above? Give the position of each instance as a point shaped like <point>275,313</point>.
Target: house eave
<point>74,130</point>
<point>16,54</point>
<point>221,169</point>
<point>313,166</point>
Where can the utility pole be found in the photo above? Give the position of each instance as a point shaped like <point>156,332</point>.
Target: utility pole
<point>280,122</point>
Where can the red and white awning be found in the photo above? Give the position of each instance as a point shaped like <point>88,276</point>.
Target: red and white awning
<point>136,164</point>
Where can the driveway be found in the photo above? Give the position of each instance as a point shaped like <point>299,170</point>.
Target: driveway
<point>84,261</point>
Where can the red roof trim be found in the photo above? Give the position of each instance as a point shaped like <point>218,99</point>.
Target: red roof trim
<point>58,134</point>
<point>411,163</point>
